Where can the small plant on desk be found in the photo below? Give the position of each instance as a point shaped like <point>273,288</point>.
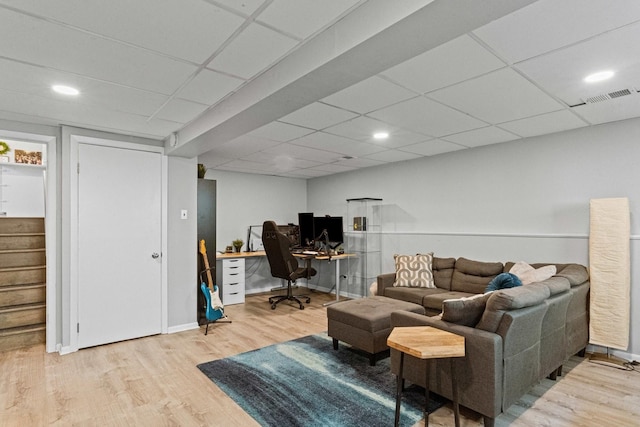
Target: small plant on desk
<point>237,244</point>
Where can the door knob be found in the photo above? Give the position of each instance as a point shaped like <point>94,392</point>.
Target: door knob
<point>155,255</point>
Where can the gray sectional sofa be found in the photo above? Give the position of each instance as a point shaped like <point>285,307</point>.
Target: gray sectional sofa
<point>514,337</point>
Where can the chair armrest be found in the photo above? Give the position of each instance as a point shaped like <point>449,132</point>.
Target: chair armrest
<point>385,281</point>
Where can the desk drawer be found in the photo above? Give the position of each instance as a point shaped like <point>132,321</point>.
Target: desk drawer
<point>233,293</point>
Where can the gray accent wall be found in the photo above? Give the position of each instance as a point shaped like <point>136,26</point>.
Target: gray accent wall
<point>522,200</point>
<point>182,248</point>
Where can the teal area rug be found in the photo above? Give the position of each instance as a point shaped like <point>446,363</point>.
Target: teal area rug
<point>305,382</point>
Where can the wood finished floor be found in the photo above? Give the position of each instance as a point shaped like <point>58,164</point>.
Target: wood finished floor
<point>154,381</point>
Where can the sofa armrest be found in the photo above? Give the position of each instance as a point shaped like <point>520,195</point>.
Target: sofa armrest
<point>479,373</point>
<point>385,281</point>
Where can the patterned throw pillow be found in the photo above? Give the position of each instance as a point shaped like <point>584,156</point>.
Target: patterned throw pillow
<point>414,271</point>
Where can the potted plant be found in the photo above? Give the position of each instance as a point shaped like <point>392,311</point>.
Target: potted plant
<point>4,149</point>
<point>202,170</point>
<point>237,244</point>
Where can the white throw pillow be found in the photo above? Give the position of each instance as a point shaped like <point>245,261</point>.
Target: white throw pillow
<point>527,274</point>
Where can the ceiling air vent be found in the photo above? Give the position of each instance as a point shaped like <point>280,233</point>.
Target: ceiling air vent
<point>608,96</point>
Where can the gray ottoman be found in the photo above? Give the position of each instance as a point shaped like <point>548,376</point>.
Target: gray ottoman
<point>365,323</point>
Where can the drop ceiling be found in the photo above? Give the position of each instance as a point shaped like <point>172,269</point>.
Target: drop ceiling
<point>297,88</point>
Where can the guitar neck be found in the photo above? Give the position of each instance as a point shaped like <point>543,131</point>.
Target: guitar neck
<point>205,258</point>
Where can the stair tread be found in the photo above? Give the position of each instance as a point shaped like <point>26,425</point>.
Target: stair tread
<point>22,307</point>
<point>23,329</point>
<point>16,251</point>
<point>17,287</point>
<point>28,267</point>
<point>21,234</point>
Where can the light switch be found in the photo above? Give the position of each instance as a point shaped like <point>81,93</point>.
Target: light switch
<point>183,214</point>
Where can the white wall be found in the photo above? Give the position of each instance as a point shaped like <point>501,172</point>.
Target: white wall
<point>246,199</point>
<point>527,199</point>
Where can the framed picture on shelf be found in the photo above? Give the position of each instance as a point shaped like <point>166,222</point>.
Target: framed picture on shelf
<point>28,157</point>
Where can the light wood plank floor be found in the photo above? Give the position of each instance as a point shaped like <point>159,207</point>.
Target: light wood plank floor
<point>154,381</point>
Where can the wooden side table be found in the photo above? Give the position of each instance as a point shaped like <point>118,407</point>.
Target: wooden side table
<point>426,342</point>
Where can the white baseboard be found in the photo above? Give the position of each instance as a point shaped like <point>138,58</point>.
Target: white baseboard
<point>182,328</point>
<point>66,350</point>
<point>591,348</point>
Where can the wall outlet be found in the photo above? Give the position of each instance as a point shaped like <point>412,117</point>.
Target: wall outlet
<point>183,214</point>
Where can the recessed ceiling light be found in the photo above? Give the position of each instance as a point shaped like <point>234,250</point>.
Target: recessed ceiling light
<point>381,135</point>
<point>599,76</point>
<point>65,90</point>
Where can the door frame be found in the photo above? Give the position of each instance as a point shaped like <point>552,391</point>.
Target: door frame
<point>75,140</point>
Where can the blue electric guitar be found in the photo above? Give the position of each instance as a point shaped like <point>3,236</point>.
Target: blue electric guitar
<point>214,309</point>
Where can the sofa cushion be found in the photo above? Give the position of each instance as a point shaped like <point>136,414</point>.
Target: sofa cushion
<point>510,299</point>
<point>414,295</point>
<point>556,285</point>
<point>574,273</point>
<point>474,276</point>
<point>465,311</point>
<point>529,274</point>
<point>433,301</point>
<point>503,281</point>
<point>414,271</point>
<point>443,271</point>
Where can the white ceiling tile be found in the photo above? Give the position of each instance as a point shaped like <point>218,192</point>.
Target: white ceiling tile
<point>42,43</point>
<point>557,121</point>
<point>306,173</point>
<point>305,153</point>
<point>550,24</point>
<point>245,165</point>
<point>483,136</point>
<point>453,62</point>
<point>501,96</point>
<point>393,156</point>
<point>613,110</point>
<point>252,51</point>
<point>209,87</point>
<point>78,114</point>
<point>246,7</point>
<point>332,168</point>
<point>187,29</point>
<point>278,131</point>
<point>433,147</point>
<point>16,76</point>
<point>562,72</point>
<point>302,18</point>
<point>243,146</point>
<point>428,117</point>
<point>337,144</point>
<point>280,161</point>
<point>181,111</point>
<point>357,163</point>
<point>211,159</point>
<point>318,116</point>
<point>369,95</point>
<point>362,128</point>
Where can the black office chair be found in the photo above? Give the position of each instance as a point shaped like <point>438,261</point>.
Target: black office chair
<point>283,264</point>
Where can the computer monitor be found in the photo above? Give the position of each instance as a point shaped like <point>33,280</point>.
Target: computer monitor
<point>307,232</point>
<point>333,225</point>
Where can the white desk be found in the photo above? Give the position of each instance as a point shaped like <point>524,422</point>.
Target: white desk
<point>335,258</point>
<point>309,257</point>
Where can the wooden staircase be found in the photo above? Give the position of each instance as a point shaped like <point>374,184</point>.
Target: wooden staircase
<point>22,282</point>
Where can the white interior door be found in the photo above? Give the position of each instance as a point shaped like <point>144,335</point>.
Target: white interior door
<point>119,243</point>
